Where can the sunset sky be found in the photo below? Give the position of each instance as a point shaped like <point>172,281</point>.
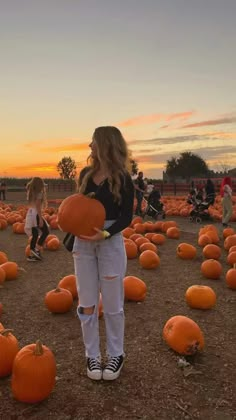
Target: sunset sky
<point>164,72</point>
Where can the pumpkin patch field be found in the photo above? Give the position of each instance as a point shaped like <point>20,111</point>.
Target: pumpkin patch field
<point>180,336</point>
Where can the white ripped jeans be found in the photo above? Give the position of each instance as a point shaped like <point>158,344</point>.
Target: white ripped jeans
<point>100,267</point>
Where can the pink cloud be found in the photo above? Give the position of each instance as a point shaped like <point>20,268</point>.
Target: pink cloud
<point>153,118</point>
<point>226,120</point>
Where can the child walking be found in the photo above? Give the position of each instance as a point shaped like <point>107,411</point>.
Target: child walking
<point>35,225</point>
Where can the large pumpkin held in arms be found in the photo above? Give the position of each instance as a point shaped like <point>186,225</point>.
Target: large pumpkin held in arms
<point>79,214</point>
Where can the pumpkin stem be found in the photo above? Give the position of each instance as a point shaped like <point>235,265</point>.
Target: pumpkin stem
<point>6,331</point>
<point>38,351</point>
<point>57,290</point>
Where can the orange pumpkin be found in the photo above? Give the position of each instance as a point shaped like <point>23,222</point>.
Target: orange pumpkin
<point>200,297</point>
<point>8,350</point>
<point>69,283</point>
<point>231,278</point>
<point>149,259</point>
<point>53,244</point>
<point>139,228</point>
<point>166,225</point>
<point>212,251</point>
<point>131,249</point>
<point>135,236</point>
<point>79,215</point>
<point>158,239</point>
<point>232,249</point>
<point>148,246</point>
<point>186,251</point>
<point>211,269</point>
<point>229,241</point>
<point>58,300</point>
<point>183,335</point>
<point>173,233</point>
<point>3,257</point>
<point>149,235</point>
<point>204,240</point>
<point>134,288</point>
<point>228,232</point>
<point>11,270</point>
<point>142,240</point>
<point>127,232</point>
<point>49,237</point>
<point>33,373</point>
<point>231,258</point>
<point>136,219</point>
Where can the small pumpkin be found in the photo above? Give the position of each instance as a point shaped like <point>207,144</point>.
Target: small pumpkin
<point>231,278</point>
<point>11,270</point>
<point>127,232</point>
<point>200,297</point>
<point>212,251</point>
<point>3,257</point>
<point>149,259</point>
<point>79,215</point>
<point>134,288</point>
<point>173,232</point>
<point>33,373</point>
<point>186,251</point>
<point>183,335</point>
<point>158,239</point>
<point>229,241</point>
<point>231,258</point>
<point>9,347</point>
<point>131,249</point>
<point>58,300</point>
<point>211,269</point>
<point>228,232</point>
<point>204,240</point>
<point>53,244</point>
<point>148,246</point>
<point>69,283</point>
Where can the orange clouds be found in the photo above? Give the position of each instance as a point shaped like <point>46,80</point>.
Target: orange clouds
<point>61,148</point>
<point>153,118</point>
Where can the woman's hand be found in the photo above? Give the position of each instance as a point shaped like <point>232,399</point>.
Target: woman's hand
<point>97,237</point>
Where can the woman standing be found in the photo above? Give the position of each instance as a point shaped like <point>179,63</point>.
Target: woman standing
<point>100,260</point>
<point>227,205</point>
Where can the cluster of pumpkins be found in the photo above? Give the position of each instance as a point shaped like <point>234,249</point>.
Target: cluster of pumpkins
<point>181,333</point>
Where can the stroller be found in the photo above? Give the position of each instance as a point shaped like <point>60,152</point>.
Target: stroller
<point>200,211</point>
<point>154,207</point>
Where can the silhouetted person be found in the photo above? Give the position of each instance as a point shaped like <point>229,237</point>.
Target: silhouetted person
<point>3,188</point>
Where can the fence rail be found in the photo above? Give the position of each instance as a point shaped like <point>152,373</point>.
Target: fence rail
<point>165,189</point>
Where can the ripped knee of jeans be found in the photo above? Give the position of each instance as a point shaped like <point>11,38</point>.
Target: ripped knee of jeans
<point>114,277</point>
<point>86,313</point>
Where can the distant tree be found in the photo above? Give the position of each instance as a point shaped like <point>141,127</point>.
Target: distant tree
<point>134,167</point>
<point>187,165</point>
<point>67,168</point>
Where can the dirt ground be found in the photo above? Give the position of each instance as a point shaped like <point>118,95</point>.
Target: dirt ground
<point>152,384</point>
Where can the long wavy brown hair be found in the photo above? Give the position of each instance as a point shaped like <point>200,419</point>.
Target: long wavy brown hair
<point>35,187</point>
<point>112,154</point>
